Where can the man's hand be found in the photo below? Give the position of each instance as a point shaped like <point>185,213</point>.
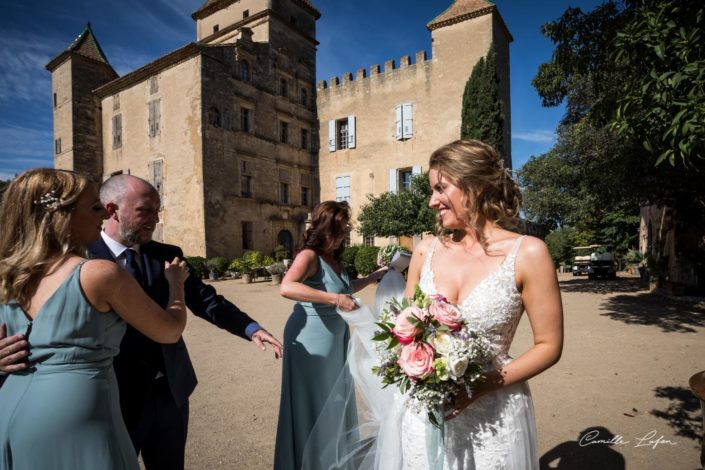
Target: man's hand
<point>12,351</point>
<point>261,336</point>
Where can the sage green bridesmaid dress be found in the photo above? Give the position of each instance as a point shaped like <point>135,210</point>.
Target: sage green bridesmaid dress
<point>64,412</point>
<point>315,351</point>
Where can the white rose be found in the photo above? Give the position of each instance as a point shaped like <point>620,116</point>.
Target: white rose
<point>457,366</point>
<point>442,343</point>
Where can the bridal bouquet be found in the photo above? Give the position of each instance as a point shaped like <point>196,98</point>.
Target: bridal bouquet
<point>427,349</point>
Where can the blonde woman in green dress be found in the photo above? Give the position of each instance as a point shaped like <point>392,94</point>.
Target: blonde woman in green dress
<point>61,409</point>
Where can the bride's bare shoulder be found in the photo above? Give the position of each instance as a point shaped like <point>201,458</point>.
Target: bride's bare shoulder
<point>423,247</point>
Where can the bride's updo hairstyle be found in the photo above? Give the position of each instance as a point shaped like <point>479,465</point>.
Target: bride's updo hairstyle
<point>478,170</point>
<point>36,212</point>
<point>329,225</point>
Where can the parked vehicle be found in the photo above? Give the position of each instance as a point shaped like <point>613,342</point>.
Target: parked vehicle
<point>594,260</point>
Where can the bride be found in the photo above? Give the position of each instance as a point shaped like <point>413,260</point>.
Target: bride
<point>493,275</point>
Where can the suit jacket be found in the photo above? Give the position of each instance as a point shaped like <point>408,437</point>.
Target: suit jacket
<point>141,358</point>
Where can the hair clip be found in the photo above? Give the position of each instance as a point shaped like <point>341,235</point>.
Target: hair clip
<point>49,201</point>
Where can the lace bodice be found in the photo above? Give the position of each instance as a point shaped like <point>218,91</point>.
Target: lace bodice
<point>496,432</point>
<point>493,306</point>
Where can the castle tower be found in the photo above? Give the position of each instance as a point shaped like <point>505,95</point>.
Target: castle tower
<point>75,73</point>
<point>378,129</point>
<point>461,35</point>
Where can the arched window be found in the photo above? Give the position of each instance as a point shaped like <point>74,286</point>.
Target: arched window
<point>285,239</point>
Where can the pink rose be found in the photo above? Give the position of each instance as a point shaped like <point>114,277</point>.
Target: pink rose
<point>403,329</point>
<point>416,360</point>
<point>446,314</point>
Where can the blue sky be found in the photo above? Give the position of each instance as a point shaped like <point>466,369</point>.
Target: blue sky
<point>353,34</point>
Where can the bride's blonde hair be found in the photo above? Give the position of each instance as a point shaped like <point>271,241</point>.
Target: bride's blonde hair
<point>36,212</point>
<point>478,170</point>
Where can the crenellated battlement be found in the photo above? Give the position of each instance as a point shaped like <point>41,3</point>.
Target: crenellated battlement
<point>391,71</point>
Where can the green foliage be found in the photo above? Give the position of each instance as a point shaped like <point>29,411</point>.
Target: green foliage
<point>276,268</point>
<point>268,261</point>
<point>633,257</point>
<point>366,259</point>
<point>217,265</point>
<point>348,257</point>
<point>385,254</point>
<point>664,108</point>
<point>633,71</point>
<point>280,253</point>
<point>253,258</point>
<point>405,213</point>
<point>198,265</point>
<point>560,246</point>
<point>240,266</point>
<point>482,110</point>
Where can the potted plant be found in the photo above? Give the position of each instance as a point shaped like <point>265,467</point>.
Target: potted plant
<point>216,267</point>
<point>242,266</point>
<point>277,271</point>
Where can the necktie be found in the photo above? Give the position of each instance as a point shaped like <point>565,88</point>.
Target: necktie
<point>132,267</point>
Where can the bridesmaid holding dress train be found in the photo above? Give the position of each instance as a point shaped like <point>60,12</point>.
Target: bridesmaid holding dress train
<point>315,336</point>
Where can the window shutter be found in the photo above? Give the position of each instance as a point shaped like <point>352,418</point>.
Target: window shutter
<point>158,115</point>
<point>392,180</point>
<point>416,170</point>
<point>151,118</point>
<point>408,114</point>
<point>331,136</point>
<point>397,111</point>
<point>351,132</point>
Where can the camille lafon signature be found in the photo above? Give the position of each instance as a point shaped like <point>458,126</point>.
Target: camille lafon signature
<point>649,440</point>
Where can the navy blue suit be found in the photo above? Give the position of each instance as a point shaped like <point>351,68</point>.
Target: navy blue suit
<point>141,359</point>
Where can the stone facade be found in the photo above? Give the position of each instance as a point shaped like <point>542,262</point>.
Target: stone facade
<point>223,128</point>
<point>227,128</point>
<point>394,118</point>
<point>78,70</point>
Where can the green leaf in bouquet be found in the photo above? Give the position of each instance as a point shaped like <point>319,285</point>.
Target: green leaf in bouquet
<point>393,342</point>
<point>382,336</point>
<point>432,418</point>
<point>384,326</point>
<point>413,320</point>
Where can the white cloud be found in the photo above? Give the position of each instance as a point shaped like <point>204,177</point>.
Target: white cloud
<point>22,61</point>
<point>538,136</point>
<point>34,145</point>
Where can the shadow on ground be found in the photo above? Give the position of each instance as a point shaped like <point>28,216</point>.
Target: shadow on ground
<point>682,413</point>
<point>671,314</point>
<point>596,447</point>
<point>600,286</point>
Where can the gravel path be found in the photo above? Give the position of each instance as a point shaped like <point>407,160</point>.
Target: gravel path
<point>623,379</point>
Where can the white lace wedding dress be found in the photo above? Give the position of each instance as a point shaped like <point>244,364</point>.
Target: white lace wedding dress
<point>495,432</point>
<point>498,430</point>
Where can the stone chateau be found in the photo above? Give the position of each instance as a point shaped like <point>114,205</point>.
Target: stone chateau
<point>240,141</point>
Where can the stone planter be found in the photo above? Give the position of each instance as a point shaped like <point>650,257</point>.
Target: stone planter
<point>212,276</point>
<point>276,279</point>
<point>247,277</point>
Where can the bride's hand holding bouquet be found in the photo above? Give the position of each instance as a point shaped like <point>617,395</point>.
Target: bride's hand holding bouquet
<point>429,351</point>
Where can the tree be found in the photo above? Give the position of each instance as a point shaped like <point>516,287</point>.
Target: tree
<point>664,108</point>
<point>634,71</point>
<point>482,111</point>
<point>405,213</point>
